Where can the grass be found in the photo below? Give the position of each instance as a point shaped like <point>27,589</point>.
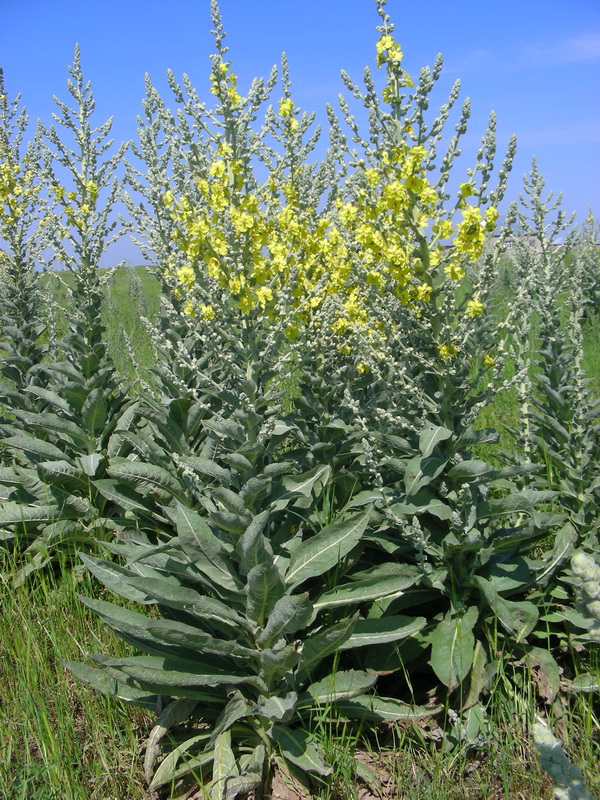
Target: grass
<point>61,741</point>
<point>58,739</point>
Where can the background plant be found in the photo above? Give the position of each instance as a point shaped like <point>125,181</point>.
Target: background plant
<point>61,445</point>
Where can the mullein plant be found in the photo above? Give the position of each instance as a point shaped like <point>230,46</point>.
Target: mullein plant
<point>330,526</point>
<point>589,257</point>
<point>558,432</point>
<point>257,615</point>
<point>568,779</point>
<point>52,502</point>
<point>203,196</point>
<point>22,315</point>
<point>561,412</point>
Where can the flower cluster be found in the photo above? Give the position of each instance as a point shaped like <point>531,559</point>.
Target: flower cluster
<point>223,81</point>
<point>78,207</point>
<point>279,254</point>
<point>18,190</point>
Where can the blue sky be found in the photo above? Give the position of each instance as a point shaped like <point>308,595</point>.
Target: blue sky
<point>536,63</point>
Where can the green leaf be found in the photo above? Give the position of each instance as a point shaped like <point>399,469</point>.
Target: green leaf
<point>275,663</point>
<point>230,500</point>
<point>452,648</point>
<point>216,612</point>
<point>323,551</point>
<point>253,547</point>
<point>121,494</point>
<point>515,503</point>
<point>424,502</point>
<point>205,466</point>
<point>518,618</point>
<point>430,437</point>
<point>90,463</point>
<point>174,713</point>
<point>224,766</point>
<point>471,470</point>
<point>278,709</point>
<point>168,772</point>
<point>205,550</point>
<point>381,709</point>
<point>175,675</point>
<point>585,683</point>
<point>94,412</point>
<point>478,677</point>
<point>37,447</point>
<point>545,672</point>
<point>480,436</point>
<point>565,540</point>
<point>296,746</point>
<point>150,477</point>
<point>98,680</point>
<point>303,484</point>
<point>60,425</point>
<point>165,631</point>
<point>63,469</point>
<point>265,587</point>
<point>115,577</point>
<point>290,614</point>
<point>225,427</point>
<point>18,513</point>
<point>367,589</point>
<point>421,471</point>
<point>340,686</point>
<point>52,398</point>
<point>368,632</point>
<point>320,645</point>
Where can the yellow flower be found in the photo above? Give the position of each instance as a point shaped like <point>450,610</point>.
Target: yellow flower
<point>189,310</point>
<point>217,169</point>
<point>372,177</point>
<point>443,228</point>
<point>186,275</point>
<point>219,245</point>
<point>474,307</point>
<point>454,270</point>
<point>446,351</point>
<point>234,97</point>
<point>348,213</point>
<point>362,368</point>
<point>491,215</point>
<point>264,294</point>
<point>92,190</point>
<point>384,43</point>
<point>423,291</point>
<point>286,107</point>
<point>488,360</point>
<point>237,283</point>
<point>208,312</point>
<point>435,256</point>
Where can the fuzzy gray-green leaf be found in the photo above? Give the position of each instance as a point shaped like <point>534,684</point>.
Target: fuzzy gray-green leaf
<point>206,551</point>
<point>452,647</point>
<point>264,588</point>
<point>323,551</point>
<point>296,746</point>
